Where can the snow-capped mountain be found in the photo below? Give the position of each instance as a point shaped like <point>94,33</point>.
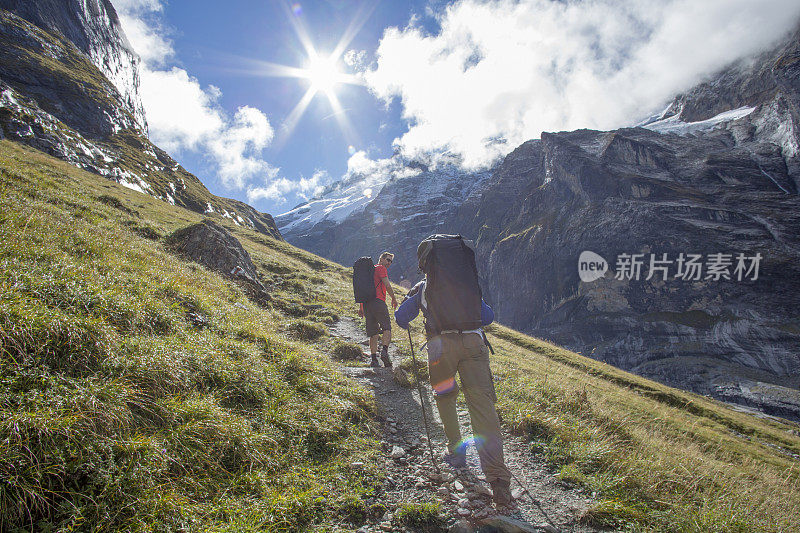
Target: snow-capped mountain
<point>385,209</point>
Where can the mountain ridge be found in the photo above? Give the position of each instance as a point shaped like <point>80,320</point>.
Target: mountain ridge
<point>54,98</point>
<point>94,28</point>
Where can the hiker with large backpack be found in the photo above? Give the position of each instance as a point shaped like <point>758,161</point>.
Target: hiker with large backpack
<point>454,312</point>
<point>370,287</point>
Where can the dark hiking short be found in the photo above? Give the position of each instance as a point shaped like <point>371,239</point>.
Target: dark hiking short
<point>377,315</point>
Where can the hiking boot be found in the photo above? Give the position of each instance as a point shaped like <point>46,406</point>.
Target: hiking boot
<point>501,494</point>
<point>455,459</point>
<point>385,357</point>
<point>374,363</point>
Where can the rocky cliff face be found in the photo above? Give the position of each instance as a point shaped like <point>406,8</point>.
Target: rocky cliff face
<point>54,98</point>
<point>94,28</point>
<point>716,173</point>
<point>706,178</point>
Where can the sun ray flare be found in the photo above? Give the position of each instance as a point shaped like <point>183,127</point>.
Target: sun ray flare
<point>293,118</point>
<point>344,122</point>
<point>322,71</point>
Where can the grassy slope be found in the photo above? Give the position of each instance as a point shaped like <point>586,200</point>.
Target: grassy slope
<point>117,413</point>
<point>658,458</point>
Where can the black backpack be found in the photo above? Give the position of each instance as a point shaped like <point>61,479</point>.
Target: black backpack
<point>452,293</point>
<point>364,280</point>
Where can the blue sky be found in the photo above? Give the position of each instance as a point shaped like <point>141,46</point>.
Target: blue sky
<point>209,40</point>
<point>471,78</point>
<point>220,45</point>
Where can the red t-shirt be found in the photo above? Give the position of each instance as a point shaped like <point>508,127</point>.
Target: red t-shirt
<point>380,288</point>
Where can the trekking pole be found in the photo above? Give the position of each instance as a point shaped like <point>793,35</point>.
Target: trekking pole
<point>422,402</point>
<point>533,500</point>
<point>525,488</point>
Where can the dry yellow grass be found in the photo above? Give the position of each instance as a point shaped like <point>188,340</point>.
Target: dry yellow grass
<point>659,459</point>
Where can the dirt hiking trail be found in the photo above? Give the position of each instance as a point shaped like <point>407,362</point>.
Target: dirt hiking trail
<point>464,495</point>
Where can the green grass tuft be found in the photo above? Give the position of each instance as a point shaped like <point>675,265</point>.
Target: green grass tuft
<point>420,517</point>
<point>347,351</point>
<point>306,331</point>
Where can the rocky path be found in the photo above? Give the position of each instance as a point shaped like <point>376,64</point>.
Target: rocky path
<point>464,495</point>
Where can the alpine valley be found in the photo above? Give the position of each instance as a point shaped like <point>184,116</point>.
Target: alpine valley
<point>168,362</point>
<point>717,172</point>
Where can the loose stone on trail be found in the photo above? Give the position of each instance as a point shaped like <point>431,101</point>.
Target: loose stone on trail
<point>401,377</point>
<point>397,452</point>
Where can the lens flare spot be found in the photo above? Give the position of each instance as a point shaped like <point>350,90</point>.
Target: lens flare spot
<point>368,192</point>
<point>476,441</point>
<point>443,387</point>
<point>351,150</point>
<point>297,9</point>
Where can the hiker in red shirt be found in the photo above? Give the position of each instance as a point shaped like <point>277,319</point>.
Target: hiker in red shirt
<point>377,313</point>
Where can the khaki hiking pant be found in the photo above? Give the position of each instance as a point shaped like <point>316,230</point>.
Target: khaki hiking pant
<point>467,355</point>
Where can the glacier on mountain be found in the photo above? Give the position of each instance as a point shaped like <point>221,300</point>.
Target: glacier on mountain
<point>675,125</point>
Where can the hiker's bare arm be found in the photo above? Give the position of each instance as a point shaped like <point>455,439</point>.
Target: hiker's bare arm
<point>389,290</point>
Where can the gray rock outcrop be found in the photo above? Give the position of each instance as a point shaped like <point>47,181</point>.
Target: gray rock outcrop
<point>639,192</point>
<point>212,246</point>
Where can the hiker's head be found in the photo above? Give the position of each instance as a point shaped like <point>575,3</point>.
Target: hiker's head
<point>386,259</point>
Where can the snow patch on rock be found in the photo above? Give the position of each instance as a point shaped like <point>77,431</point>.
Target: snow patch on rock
<point>676,126</point>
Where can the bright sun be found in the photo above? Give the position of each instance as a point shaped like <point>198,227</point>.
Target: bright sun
<point>323,74</point>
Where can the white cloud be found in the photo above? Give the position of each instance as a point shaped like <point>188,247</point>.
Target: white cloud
<point>274,190</point>
<point>376,172</point>
<point>356,59</point>
<point>238,147</point>
<point>509,69</point>
<point>147,6</point>
<point>278,189</point>
<point>148,39</point>
<point>360,163</point>
<point>184,115</point>
<point>181,115</point>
